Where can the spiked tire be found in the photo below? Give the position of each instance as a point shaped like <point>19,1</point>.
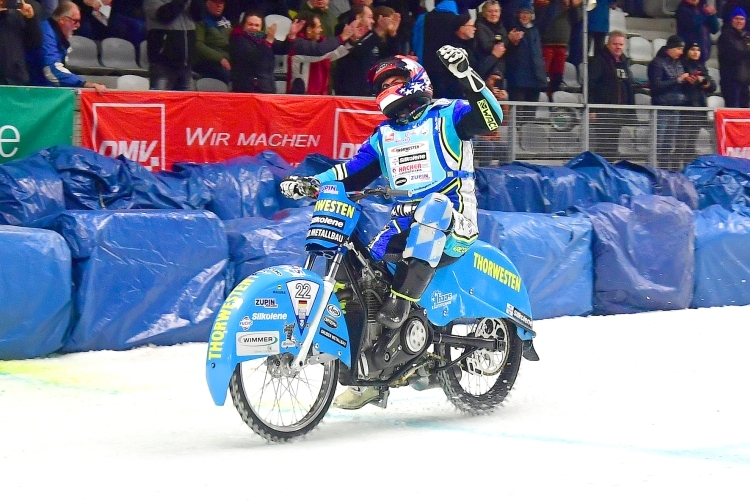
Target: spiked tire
<point>280,406</point>
<point>481,382</point>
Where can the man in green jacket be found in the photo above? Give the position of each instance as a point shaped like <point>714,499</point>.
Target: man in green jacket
<point>212,42</point>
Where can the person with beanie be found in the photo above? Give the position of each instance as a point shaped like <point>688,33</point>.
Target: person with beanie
<point>668,81</point>
<point>525,66</point>
<point>699,85</point>
<point>734,60</point>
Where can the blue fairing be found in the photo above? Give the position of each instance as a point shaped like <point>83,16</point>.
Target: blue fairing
<point>266,314</point>
<point>482,283</point>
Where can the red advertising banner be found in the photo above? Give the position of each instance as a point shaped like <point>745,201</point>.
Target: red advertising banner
<point>733,132</point>
<point>158,129</point>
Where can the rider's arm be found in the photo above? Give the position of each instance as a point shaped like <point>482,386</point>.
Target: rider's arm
<point>359,171</point>
<point>479,116</point>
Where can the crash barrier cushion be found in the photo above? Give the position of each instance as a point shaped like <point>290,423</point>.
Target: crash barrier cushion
<point>585,180</point>
<point>722,257</point>
<point>242,187</point>
<point>256,243</point>
<point>94,182</point>
<point>144,276</point>
<point>720,180</point>
<point>31,192</point>
<point>35,292</point>
<point>643,255</point>
<point>553,257</point>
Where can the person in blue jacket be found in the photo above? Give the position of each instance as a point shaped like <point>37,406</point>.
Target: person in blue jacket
<point>47,63</point>
<point>423,147</point>
<point>696,21</point>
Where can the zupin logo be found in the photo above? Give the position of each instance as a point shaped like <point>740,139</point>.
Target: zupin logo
<point>267,303</point>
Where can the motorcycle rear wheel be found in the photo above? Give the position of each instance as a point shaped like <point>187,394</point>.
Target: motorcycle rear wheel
<point>481,382</point>
<point>277,403</point>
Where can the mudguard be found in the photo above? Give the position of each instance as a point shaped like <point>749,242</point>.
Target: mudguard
<point>267,314</point>
<point>483,283</point>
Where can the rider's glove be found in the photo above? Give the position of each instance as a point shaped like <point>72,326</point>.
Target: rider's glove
<point>457,62</point>
<point>296,187</point>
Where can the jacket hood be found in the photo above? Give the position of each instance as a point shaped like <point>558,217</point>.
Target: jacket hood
<point>447,6</point>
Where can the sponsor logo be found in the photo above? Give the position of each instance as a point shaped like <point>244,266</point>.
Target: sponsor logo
<point>330,322</point>
<point>246,323</point>
<point>412,158</point>
<point>440,299</point>
<point>267,303</point>
<point>484,107</point>
<point>329,189</point>
<point>333,311</point>
<point>277,272</point>
<point>14,137</point>
<point>401,181</point>
<point>249,344</point>
<point>336,207</point>
<point>290,341</point>
<point>518,315</point>
<point>136,131</point>
<point>269,316</point>
<point>327,221</point>
<point>325,234</point>
<point>497,272</point>
<point>333,337</point>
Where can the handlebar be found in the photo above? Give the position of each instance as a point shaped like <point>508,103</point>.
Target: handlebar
<point>383,191</point>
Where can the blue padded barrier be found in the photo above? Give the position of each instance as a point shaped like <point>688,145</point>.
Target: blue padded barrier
<point>509,188</point>
<point>643,255</point>
<point>94,182</point>
<point>720,180</point>
<point>553,257</point>
<point>35,292</point>
<point>241,187</point>
<point>256,243</point>
<point>664,182</point>
<point>31,192</point>
<point>609,183</point>
<point>722,257</point>
<point>144,276</point>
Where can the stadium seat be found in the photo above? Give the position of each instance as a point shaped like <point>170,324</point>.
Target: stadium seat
<point>715,76</point>
<point>282,23</point>
<point>535,137</point>
<point>211,85</point>
<point>640,50</point>
<point>119,54</point>
<point>84,56</point>
<point>658,43</point>
<point>280,87</point>
<point>640,73</point>
<point>617,21</point>
<point>542,112</point>
<point>566,97</point>
<point>642,115</point>
<point>280,69</point>
<point>143,51</point>
<point>712,63</point>
<point>132,82</point>
<point>571,82</point>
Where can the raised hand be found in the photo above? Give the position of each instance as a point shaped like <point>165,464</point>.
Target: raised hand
<point>457,62</point>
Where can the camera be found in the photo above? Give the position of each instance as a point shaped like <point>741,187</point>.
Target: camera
<point>498,38</point>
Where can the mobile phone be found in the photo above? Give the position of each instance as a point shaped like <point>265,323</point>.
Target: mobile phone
<point>12,4</point>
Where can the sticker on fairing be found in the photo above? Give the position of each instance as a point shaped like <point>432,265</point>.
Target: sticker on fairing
<point>520,316</point>
<point>410,163</point>
<point>302,293</point>
<point>251,344</point>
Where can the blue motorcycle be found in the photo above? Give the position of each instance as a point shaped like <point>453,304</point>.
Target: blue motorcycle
<point>281,336</point>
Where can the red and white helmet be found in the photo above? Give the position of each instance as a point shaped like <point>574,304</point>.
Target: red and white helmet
<point>394,100</point>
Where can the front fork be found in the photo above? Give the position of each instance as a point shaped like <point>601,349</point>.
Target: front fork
<point>329,281</point>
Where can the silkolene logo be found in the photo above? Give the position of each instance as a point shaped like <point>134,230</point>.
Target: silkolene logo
<point>136,131</point>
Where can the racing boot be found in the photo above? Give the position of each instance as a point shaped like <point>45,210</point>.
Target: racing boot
<point>409,283</point>
<point>355,397</point>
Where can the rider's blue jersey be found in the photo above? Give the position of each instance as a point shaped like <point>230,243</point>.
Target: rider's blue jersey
<point>424,156</point>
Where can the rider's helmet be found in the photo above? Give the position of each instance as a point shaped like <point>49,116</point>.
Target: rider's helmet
<point>400,101</point>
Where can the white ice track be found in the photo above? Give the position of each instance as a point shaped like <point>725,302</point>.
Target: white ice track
<point>653,405</point>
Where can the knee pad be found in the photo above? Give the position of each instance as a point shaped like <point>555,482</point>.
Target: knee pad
<point>427,239</point>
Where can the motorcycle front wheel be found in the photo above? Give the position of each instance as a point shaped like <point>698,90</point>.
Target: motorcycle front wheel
<point>278,403</point>
<point>480,382</point>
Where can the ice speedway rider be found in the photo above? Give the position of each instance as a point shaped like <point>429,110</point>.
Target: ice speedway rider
<point>423,147</point>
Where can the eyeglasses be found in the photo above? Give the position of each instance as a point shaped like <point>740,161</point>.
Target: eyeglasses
<point>77,22</point>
